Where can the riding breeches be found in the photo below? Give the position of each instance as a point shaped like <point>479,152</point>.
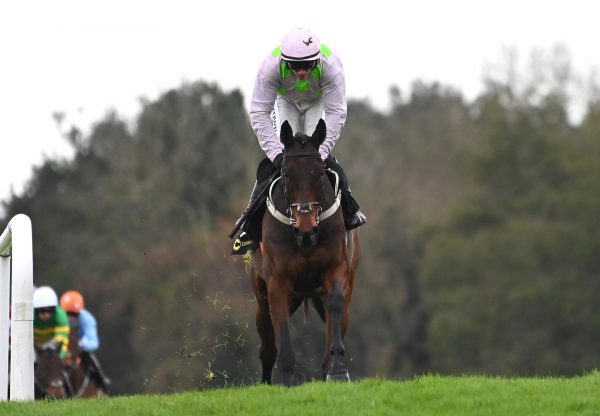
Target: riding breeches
<point>303,117</point>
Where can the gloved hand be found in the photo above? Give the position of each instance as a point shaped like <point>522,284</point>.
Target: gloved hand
<point>277,161</point>
<point>50,345</point>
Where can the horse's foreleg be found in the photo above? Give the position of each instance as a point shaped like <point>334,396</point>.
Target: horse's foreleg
<point>337,324</point>
<point>268,350</point>
<point>279,300</point>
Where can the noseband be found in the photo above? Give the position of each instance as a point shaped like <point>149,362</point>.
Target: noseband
<point>304,207</point>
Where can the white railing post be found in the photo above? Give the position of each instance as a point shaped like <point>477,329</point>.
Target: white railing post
<point>16,300</point>
<point>4,321</point>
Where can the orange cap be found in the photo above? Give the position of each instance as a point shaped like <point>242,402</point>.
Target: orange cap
<point>72,301</point>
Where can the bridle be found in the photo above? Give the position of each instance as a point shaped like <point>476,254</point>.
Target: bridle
<point>304,207</point>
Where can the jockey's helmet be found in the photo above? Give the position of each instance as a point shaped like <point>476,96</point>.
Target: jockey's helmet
<point>72,301</point>
<point>300,48</point>
<point>44,297</point>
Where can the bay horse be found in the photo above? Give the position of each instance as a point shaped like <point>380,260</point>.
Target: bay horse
<point>83,383</point>
<point>305,254</point>
<point>50,380</point>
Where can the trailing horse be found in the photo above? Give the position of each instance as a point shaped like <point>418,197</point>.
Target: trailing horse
<point>83,382</point>
<point>306,253</point>
<point>50,380</point>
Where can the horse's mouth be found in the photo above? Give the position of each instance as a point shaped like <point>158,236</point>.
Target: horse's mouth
<point>306,240</point>
<point>53,393</point>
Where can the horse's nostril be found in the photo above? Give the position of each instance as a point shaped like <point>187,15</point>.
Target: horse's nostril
<point>308,239</point>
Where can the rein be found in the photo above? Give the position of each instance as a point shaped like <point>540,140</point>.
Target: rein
<point>322,216</point>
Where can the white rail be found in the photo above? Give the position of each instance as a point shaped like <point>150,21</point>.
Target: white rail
<point>16,310</point>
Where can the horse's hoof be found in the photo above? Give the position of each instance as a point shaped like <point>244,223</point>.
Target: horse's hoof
<point>343,376</point>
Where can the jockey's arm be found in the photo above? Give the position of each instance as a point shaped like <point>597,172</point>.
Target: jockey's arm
<point>261,106</point>
<point>62,331</point>
<point>335,109</point>
<point>89,341</point>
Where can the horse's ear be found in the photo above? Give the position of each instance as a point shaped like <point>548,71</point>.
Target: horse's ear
<point>319,134</point>
<point>287,136</point>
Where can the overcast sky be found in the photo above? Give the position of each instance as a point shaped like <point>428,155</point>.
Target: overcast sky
<point>86,57</point>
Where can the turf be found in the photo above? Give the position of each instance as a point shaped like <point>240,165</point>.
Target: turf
<point>427,395</point>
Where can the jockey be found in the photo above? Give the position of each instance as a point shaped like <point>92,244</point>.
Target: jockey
<point>301,81</point>
<point>82,321</point>
<point>50,322</point>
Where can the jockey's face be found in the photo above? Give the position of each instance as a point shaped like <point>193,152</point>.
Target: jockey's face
<point>73,317</point>
<point>301,74</point>
<point>45,313</point>
<point>301,69</point>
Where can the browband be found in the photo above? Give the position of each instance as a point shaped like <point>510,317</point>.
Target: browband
<point>298,154</point>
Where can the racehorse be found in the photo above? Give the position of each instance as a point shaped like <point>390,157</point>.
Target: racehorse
<point>83,383</point>
<point>49,373</point>
<point>305,254</point>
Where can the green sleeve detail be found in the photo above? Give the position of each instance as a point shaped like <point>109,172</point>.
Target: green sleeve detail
<point>61,317</point>
<point>63,330</point>
<point>325,50</point>
<point>276,51</point>
<point>319,92</point>
<point>282,90</point>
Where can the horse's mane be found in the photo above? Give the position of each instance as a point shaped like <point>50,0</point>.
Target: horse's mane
<point>301,143</point>
<point>303,139</point>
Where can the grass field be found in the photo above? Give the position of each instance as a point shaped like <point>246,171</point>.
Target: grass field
<point>428,395</point>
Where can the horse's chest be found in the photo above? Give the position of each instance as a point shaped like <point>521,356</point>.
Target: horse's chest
<point>305,277</point>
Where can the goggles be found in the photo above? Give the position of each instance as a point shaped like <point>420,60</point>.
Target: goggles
<point>298,65</point>
<point>48,309</point>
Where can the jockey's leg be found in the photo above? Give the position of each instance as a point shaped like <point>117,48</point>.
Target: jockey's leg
<point>353,217</point>
<point>257,197</point>
<point>311,114</point>
<point>283,110</point>
<point>240,224</point>
<point>94,366</point>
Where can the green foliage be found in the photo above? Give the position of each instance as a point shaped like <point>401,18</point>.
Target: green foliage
<point>511,277</point>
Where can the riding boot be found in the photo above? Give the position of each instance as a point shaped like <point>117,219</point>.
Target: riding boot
<point>241,223</point>
<point>266,172</point>
<point>68,385</point>
<point>353,217</point>
<point>97,368</point>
